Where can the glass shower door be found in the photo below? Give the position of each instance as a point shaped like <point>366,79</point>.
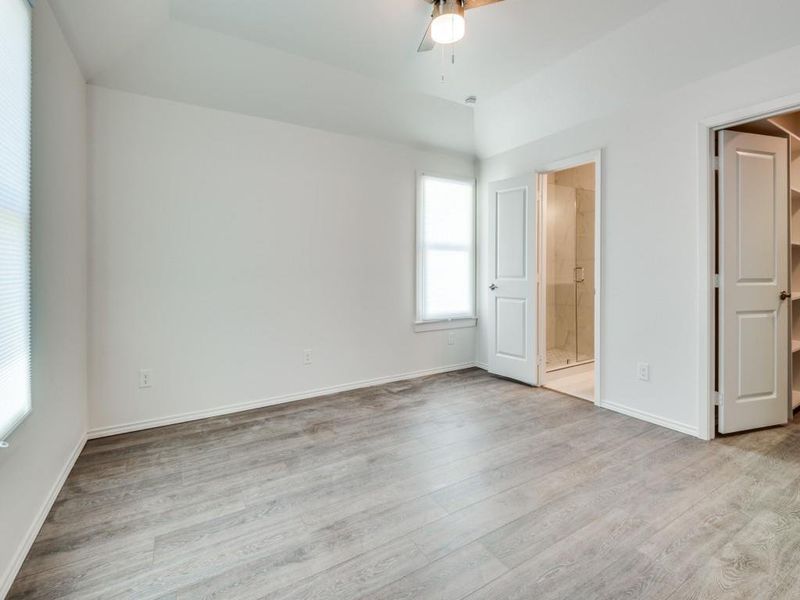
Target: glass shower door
<point>584,268</point>
<point>570,274</point>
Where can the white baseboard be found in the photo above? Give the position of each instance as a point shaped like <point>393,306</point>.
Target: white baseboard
<point>650,418</point>
<point>637,414</point>
<point>99,432</point>
<point>8,577</point>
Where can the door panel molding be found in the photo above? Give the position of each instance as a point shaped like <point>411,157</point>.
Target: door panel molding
<point>512,279</point>
<point>753,329</point>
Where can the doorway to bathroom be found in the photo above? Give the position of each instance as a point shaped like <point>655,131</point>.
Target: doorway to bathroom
<point>567,288</point>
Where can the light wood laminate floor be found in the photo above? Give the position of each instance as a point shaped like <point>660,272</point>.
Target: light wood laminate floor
<point>452,486</point>
<point>579,384</point>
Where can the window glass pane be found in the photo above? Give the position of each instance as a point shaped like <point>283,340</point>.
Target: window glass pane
<point>15,122</point>
<point>448,207</point>
<point>448,284</point>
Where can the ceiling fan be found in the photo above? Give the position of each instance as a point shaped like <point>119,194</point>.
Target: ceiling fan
<point>447,24</point>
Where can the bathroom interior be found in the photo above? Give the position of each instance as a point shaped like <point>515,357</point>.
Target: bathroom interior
<point>569,280</point>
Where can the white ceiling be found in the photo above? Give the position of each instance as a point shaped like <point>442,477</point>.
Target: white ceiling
<point>505,42</point>
<point>343,65</point>
<point>351,65</point>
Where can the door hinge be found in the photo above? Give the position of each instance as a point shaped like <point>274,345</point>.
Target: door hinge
<point>717,398</point>
<point>539,360</point>
<point>715,163</point>
<point>716,280</point>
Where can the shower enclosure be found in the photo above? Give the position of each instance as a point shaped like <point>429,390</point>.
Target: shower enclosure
<point>569,271</point>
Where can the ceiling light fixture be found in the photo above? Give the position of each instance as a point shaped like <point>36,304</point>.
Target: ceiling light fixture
<point>449,26</point>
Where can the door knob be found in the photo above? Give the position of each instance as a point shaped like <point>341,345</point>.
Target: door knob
<point>785,295</point>
<point>493,287</point>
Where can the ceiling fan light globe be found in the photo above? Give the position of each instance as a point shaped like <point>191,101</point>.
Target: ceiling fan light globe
<point>448,29</point>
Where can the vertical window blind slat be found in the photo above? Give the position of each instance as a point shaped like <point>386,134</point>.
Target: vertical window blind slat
<point>15,214</point>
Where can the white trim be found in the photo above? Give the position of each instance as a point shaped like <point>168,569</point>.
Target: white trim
<point>440,324</point>
<point>99,432</point>
<point>595,157</point>
<point>650,418</point>
<point>482,365</point>
<point>418,244</point>
<point>12,427</point>
<point>568,371</point>
<point>707,241</point>
<point>706,270</point>
<point>22,551</point>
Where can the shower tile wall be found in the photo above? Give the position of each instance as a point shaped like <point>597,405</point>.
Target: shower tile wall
<point>570,244</point>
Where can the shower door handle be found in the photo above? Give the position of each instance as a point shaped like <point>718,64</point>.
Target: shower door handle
<point>580,278</point>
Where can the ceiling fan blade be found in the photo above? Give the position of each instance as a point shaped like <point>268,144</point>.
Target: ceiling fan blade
<point>427,43</point>
<point>478,3</point>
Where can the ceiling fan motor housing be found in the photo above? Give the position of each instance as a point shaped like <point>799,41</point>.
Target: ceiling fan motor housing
<point>451,7</point>
<point>447,24</point>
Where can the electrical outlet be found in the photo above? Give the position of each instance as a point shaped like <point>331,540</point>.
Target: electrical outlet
<point>643,371</point>
<point>308,357</point>
<point>451,339</point>
<point>145,378</point>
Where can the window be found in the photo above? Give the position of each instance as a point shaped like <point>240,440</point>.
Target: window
<point>445,251</point>
<point>15,186</point>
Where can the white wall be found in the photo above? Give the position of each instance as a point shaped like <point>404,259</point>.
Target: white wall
<point>675,44</point>
<point>651,295</point>
<point>42,448</point>
<point>224,245</point>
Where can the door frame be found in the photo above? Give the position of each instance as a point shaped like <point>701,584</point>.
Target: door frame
<point>593,157</point>
<point>706,251</point>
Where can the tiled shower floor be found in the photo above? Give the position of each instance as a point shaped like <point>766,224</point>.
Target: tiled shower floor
<point>561,357</point>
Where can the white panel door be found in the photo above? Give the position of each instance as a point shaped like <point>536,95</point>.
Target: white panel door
<point>754,341</point>
<point>512,279</point>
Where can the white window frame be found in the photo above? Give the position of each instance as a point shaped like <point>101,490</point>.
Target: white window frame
<point>455,321</point>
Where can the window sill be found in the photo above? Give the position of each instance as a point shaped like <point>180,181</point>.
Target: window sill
<point>459,323</point>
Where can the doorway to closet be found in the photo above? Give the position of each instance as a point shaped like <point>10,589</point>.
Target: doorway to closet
<point>567,279</point>
<point>757,272</point>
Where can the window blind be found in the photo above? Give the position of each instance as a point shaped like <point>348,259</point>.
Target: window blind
<point>15,193</point>
<point>446,249</point>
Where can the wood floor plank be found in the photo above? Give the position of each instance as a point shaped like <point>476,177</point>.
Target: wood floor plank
<point>358,577</point>
<point>453,485</point>
<point>510,508</point>
<point>449,578</point>
<point>750,564</point>
<point>319,551</point>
